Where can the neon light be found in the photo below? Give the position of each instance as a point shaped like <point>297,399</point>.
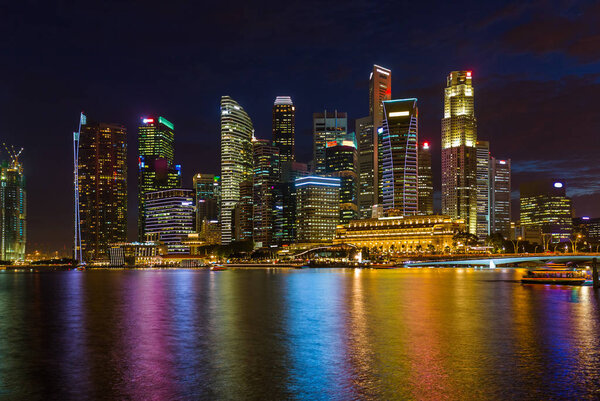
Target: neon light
<point>585,218</point>
<point>502,162</point>
<point>382,71</point>
<point>398,114</point>
<point>425,145</point>
<point>323,184</point>
<point>166,122</point>
<point>331,144</point>
<point>468,74</point>
<point>558,185</point>
<point>380,130</point>
<point>147,120</point>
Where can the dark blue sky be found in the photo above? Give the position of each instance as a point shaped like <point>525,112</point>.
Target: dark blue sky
<point>536,69</point>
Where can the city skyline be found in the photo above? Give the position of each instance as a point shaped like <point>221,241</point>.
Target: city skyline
<point>530,137</point>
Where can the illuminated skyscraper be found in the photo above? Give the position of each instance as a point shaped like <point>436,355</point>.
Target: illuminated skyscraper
<point>170,217</point>
<point>366,172</point>
<point>545,204</point>
<point>284,113</point>
<point>242,213</point>
<point>342,160</point>
<point>285,202</point>
<point>483,190</point>
<point>318,205</point>
<point>266,177</point>
<point>12,209</point>
<point>156,168</point>
<point>236,160</point>
<point>425,180</point>
<point>207,191</point>
<point>327,127</point>
<point>398,152</point>
<point>380,90</point>
<point>459,152</point>
<point>500,184</point>
<point>102,179</point>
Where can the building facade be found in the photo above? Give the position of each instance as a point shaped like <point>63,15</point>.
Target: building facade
<point>284,116</point>
<point>207,192</point>
<point>380,90</point>
<point>318,206</point>
<point>236,160</point>
<point>13,211</point>
<point>327,127</point>
<point>243,225</point>
<point>459,150</point>
<point>366,172</point>
<point>483,190</point>
<point>285,202</point>
<point>102,180</point>
<point>398,154</point>
<point>425,177</point>
<point>545,204</point>
<point>266,177</point>
<point>170,217</point>
<point>500,205</point>
<point>156,162</point>
<point>405,234</point>
<point>342,160</point>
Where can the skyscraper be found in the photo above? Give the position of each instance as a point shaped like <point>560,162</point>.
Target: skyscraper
<point>545,204</point>
<point>207,193</point>
<point>327,127</point>
<point>102,180</point>
<point>284,113</point>
<point>380,90</point>
<point>483,190</point>
<point>266,177</point>
<point>366,172</point>
<point>236,160</point>
<point>318,205</point>
<point>170,217</point>
<point>242,213</point>
<point>425,180</point>
<point>342,160</point>
<point>12,209</point>
<point>500,183</point>
<point>459,158</point>
<point>398,152</point>
<point>285,203</point>
<point>156,168</point>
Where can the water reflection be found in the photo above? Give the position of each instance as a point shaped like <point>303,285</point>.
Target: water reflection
<point>284,334</point>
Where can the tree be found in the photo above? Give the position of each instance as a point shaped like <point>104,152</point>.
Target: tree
<point>496,241</point>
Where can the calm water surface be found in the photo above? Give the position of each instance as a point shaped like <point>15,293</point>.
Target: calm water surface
<point>443,334</point>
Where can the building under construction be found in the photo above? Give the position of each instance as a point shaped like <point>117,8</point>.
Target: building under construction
<point>12,207</point>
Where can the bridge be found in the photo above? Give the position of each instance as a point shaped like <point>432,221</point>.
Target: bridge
<point>492,262</point>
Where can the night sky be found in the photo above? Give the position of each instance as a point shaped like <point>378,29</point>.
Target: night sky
<point>536,73</point>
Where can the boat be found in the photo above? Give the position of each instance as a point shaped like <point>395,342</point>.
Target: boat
<point>218,268</point>
<point>551,275</point>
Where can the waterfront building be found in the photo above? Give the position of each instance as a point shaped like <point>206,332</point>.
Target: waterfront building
<point>545,204</point>
<point>156,162</point>
<point>242,213</point>
<point>317,205</point>
<point>406,234</point>
<point>459,152</point>
<point>366,172</point>
<point>102,181</point>
<point>342,160</point>
<point>266,177</point>
<point>170,217</point>
<point>327,127</point>
<point>135,253</point>
<point>500,205</point>
<point>425,177</point>
<point>13,212</point>
<point>398,153</point>
<point>285,202</point>
<point>207,191</point>
<point>284,115</point>
<point>236,160</point>
<point>483,190</point>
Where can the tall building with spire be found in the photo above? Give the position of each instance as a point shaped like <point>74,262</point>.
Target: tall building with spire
<point>380,90</point>
<point>459,150</point>
<point>102,180</point>
<point>12,209</point>
<point>398,154</point>
<point>284,115</point>
<point>425,179</point>
<point>236,161</point>
<point>156,162</point>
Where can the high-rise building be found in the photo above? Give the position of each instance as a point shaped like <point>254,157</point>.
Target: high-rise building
<point>285,202</point>
<point>236,160</point>
<point>459,151</point>
<point>380,90</point>
<point>102,180</point>
<point>266,177</point>
<point>500,183</point>
<point>318,205</point>
<point>483,190</point>
<point>366,172</point>
<point>13,212</point>
<point>545,204</point>
<point>398,153</point>
<point>242,213</point>
<point>589,227</point>
<point>156,162</point>
<point>207,191</point>
<point>284,113</point>
<point>170,217</point>
<point>327,127</point>
<point>342,160</point>
<point>425,180</point>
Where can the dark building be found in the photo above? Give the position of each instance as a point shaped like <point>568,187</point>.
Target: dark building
<point>366,178</point>
<point>102,179</point>
<point>500,185</point>
<point>327,127</point>
<point>425,180</point>
<point>207,193</point>
<point>156,168</point>
<point>285,202</point>
<point>266,177</point>
<point>589,228</point>
<point>242,213</point>
<point>341,161</point>
<point>284,113</point>
<point>544,204</point>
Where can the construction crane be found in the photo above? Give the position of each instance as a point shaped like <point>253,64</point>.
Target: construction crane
<point>13,154</point>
